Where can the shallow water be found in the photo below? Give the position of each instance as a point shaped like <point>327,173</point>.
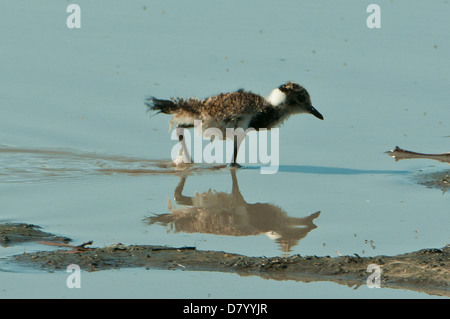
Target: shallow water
<point>80,156</point>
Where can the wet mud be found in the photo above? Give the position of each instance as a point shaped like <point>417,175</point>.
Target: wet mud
<point>16,233</point>
<point>425,270</point>
<point>440,180</point>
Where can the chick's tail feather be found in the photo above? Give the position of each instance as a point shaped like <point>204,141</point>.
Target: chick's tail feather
<point>162,106</point>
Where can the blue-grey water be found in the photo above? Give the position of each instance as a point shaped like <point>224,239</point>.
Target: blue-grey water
<point>81,157</point>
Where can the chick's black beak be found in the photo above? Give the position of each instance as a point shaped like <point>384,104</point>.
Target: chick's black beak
<point>314,112</point>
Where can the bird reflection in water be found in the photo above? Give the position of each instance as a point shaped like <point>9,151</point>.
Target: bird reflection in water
<point>221,213</point>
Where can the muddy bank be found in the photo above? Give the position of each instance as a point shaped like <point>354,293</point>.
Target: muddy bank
<point>426,270</point>
<point>16,233</point>
<point>440,180</point>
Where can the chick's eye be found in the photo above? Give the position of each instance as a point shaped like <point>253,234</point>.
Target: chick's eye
<point>302,97</point>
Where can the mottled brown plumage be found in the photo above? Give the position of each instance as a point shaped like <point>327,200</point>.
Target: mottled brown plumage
<point>240,109</point>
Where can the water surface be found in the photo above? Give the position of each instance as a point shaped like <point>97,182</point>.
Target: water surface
<point>80,156</point>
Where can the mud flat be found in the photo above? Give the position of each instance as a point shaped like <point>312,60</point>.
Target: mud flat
<point>16,233</point>
<point>426,270</point>
<point>440,180</point>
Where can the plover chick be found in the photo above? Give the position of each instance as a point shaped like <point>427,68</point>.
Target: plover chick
<point>240,109</point>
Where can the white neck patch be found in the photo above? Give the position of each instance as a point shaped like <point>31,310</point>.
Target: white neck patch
<point>276,97</point>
